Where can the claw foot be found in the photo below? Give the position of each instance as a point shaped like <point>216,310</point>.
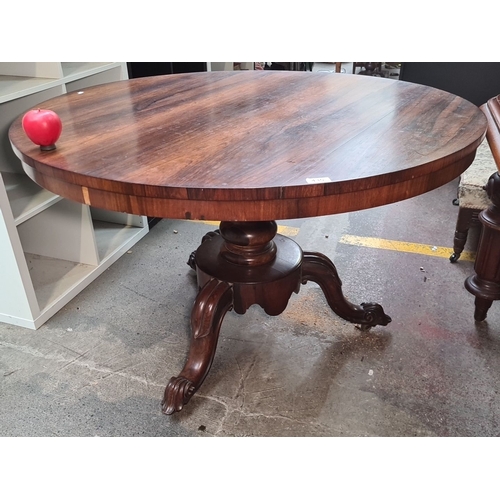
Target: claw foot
<point>177,393</point>
<point>373,315</point>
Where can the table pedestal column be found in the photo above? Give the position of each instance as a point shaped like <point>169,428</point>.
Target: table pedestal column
<point>485,284</point>
<point>246,263</point>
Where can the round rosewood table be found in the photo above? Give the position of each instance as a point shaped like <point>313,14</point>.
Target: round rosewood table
<point>248,148</point>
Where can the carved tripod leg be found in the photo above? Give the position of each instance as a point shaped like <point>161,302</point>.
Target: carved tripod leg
<point>214,300</point>
<point>320,269</point>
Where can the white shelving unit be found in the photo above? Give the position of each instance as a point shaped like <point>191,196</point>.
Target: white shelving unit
<point>50,248</point>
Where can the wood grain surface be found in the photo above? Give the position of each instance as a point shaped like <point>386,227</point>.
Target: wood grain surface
<point>253,145</point>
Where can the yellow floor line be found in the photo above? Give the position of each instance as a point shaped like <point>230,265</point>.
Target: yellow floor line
<point>284,230</point>
<point>402,246</point>
<point>361,241</point>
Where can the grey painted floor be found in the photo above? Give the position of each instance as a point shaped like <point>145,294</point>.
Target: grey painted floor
<point>100,365</point>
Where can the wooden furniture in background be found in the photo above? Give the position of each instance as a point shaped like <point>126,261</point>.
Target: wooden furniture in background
<point>367,68</point>
<point>471,197</point>
<point>50,248</point>
<point>248,148</point>
<point>485,283</point>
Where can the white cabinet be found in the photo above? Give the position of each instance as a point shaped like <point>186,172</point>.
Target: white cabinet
<point>50,248</point>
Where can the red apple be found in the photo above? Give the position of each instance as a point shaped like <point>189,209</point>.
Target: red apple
<point>43,127</point>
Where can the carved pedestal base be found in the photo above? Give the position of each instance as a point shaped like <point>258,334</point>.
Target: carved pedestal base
<point>247,263</point>
<point>485,284</point>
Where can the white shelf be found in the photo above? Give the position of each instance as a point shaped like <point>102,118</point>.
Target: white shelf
<point>26,198</point>
<point>111,238</point>
<point>57,281</point>
<point>15,87</point>
<point>50,248</point>
<point>53,278</point>
<point>76,70</point>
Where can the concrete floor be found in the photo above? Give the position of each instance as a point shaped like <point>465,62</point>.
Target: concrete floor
<point>100,365</point>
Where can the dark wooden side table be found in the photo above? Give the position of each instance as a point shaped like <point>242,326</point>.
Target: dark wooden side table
<point>249,148</point>
<point>485,283</point>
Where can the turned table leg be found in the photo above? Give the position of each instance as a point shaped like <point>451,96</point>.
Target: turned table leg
<point>485,283</point>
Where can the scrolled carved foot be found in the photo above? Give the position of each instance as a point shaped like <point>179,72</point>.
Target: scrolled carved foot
<point>320,269</point>
<point>177,394</point>
<point>454,257</point>
<point>373,315</point>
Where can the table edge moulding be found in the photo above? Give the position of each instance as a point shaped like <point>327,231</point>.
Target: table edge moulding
<point>51,247</point>
<point>303,197</point>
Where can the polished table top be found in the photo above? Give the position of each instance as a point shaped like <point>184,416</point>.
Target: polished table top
<point>253,145</point>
